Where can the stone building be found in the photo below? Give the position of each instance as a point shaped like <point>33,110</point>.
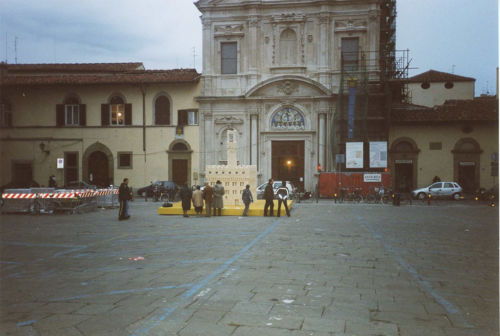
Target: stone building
<point>273,71</point>
<point>446,132</point>
<point>433,88</point>
<point>106,121</point>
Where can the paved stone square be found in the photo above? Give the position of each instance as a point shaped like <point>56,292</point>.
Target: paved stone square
<point>329,269</point>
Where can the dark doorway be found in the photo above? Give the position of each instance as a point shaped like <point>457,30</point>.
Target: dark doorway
<point>180,171</point>
<point>467,176</point>
<point>404,177</point>
<point>288,161</point>
<point>22,174</point>
<point>70,167</point>
<point>98,169</point>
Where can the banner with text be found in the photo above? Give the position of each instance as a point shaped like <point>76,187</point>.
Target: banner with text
<point>378,154</point>
<point>354,154</point>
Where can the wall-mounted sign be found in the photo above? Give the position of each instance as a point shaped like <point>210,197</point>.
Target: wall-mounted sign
<point>403,161</point>
<point>467,163</point>
<point>339,158</point>
<point>378,154</point>
<point>60,163</point>
<point>372,177</point>
<point>354,154</point>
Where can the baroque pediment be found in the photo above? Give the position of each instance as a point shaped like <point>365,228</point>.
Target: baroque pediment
<point>288,88</point>
<point>229,30</point>
<point>228,120</point>
<point>350,25</point>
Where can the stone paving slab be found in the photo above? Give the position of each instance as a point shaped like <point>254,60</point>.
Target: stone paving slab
<point>327,270</point>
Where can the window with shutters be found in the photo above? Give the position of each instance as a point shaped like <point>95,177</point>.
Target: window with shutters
<point>229,60</point>
<point>117,111</point>
<point>71,112</point>
<point>182,117</point>
<point>5,114</point>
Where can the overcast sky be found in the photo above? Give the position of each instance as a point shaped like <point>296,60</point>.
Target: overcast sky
<point>459,36</point>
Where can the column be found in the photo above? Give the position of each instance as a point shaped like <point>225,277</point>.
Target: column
<point>253,139</point>
<point>321,140</point>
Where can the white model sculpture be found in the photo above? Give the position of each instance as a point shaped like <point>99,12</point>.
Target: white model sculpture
<point>234,178</point>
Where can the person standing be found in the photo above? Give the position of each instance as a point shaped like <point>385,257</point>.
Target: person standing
<point>124,197</point>
<point>218,200</point>
<point>208,196</point>
<point>269,197</point>
<point>186,195</point>
<point>52,181</point>
<point>247,198</point>
<point>282,198</point>
<point>198,200</point>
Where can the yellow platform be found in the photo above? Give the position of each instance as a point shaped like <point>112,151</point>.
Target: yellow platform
<point>256,209</point>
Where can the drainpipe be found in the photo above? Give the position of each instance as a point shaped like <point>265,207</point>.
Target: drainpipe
<point>143,91</point>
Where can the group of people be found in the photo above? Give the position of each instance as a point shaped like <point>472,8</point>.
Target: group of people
<point>212,198</point>
<point>282,194</point>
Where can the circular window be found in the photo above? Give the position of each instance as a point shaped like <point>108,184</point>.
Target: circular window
<point>448,85</point>
<point>425,85</point>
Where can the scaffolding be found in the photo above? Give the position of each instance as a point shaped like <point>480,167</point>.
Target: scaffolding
<point>369,83</point>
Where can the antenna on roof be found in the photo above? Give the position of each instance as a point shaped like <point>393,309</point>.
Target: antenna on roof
<point>15,48</point>
<point>453,68</point>
<point>194,57</point>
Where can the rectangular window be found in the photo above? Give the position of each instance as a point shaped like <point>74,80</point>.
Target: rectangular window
<point>192,117</point>
<point>72,114</point>
<point>124,160</point>
<point>229,59</point>
<point>435,145</point>
<point>350,53</point>
<point>117,114</point>
<point>5,115</point>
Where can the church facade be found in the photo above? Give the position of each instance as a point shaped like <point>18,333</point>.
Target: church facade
<point>272,72</point>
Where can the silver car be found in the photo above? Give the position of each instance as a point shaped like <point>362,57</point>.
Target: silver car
<point>439,190</point>
<point>276,185</point>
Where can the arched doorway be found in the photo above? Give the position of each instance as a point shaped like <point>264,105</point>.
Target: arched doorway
<point>466,164</point>
<point>98,165</point>
<point>179,162</point>
<point>98,169</point>
<point>404,163</point>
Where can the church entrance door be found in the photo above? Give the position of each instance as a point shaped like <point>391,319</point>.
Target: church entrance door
<point>288,161</point>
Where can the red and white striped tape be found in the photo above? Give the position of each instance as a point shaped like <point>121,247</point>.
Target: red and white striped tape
<point>82,193</point>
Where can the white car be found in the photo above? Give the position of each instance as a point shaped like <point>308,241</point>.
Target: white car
<point>276,185</point>
<point>439,190</point>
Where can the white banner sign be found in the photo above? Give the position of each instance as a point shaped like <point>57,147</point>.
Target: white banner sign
<point>378,154</point>
<point>372,177</point>
<point>354,154</point>
<point>60,163</point>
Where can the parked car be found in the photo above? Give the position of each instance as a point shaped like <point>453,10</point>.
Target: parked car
<point>276,185</point>
<point>79,185</point>
<point>166,187</point>
<point>439,190</point>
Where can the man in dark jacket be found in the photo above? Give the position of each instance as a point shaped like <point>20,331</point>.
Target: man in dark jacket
<point>208,196</point>
<point>269,197</point>
<point>282,194</point>
<point>186,195</point>
<point>247,199</point>
<point>124,196</point>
